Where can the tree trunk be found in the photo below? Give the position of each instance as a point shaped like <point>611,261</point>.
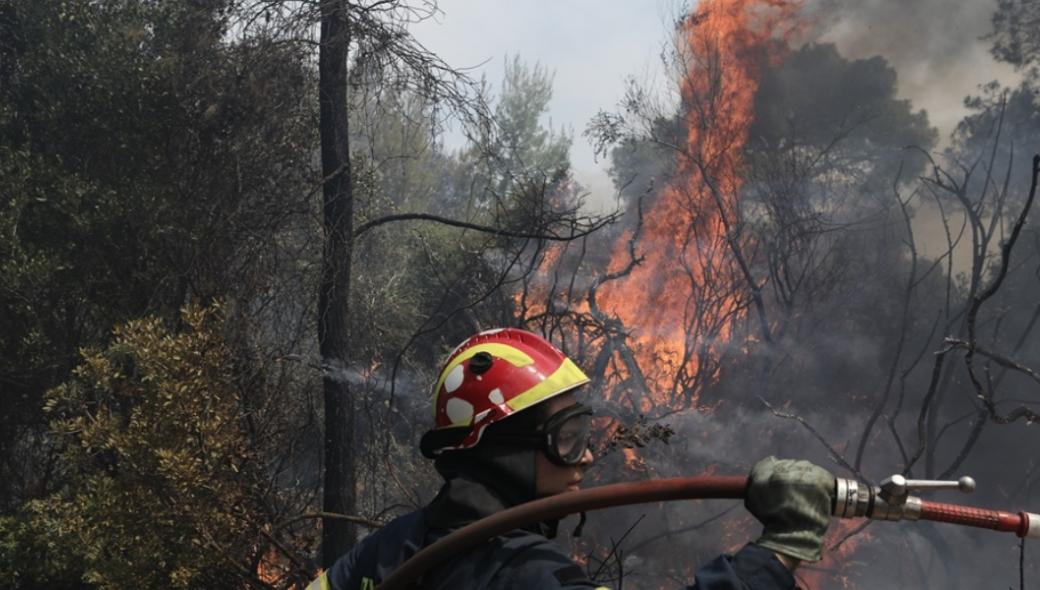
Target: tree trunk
<point>333,319</point>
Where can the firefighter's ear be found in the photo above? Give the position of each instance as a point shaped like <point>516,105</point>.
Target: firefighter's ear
<point>434,441</point>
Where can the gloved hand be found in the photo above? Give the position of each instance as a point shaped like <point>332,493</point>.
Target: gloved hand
<point>793,500</point>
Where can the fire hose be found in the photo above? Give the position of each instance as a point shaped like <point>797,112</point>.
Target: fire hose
<point>891,500</point>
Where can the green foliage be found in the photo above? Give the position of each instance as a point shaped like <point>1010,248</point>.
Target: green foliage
<point>153,153</point>
<point>428,273</point>
<point>526,92</point>
<point>31,557</point>
<point>147,158</point>
<point>501,164</point>
<point>420,288</point>
<point>157,465</point>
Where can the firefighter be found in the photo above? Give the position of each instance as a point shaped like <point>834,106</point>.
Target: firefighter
<point>509,429</point>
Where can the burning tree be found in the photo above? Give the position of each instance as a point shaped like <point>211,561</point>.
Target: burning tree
<point>772,258</point>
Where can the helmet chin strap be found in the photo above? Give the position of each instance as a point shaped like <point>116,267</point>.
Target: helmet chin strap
<point>581,525</point>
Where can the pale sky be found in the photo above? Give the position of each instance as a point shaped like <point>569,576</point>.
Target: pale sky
<point>592,46</point>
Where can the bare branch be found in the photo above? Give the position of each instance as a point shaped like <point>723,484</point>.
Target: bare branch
<point>904,324</point>
<point>686,529</point>
<point>816,434</point>
<point>998,358</point>
<point>576,228</point>
<point>979,299</point>
<point>368,522</point>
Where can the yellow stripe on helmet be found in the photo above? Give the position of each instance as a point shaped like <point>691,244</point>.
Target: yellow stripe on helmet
<point>568,376</point>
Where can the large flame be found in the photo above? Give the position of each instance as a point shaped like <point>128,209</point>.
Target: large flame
<point>681,302</point>
<point>679,308</point>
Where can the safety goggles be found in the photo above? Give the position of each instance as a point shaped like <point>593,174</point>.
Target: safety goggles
<point>563,438</point>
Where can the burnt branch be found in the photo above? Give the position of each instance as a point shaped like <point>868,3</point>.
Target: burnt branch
<point>908,293</point>
<point>978,300</point>
<point>572,229</point>
<point>736,248</point>
<point>926,406</point>
<point>1003,361</point>
<point>613,329</point>
<point>368,522</point>
<point>614,558</point>
<point>838,457</point>
<point>633,259</point>
<point>686,529</point>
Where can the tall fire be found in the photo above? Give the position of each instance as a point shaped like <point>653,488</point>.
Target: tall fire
<point>691,286</point>
<point>678,291</point>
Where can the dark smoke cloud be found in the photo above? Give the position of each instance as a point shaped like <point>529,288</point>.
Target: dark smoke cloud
<point>936,46</point>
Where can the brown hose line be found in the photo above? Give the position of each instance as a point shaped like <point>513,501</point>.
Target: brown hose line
<point>558,506</point>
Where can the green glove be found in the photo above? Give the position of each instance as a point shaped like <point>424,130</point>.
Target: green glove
<point>793,500</point>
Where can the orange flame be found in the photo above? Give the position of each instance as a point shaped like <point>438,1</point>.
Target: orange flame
<point>268,570</point>
<point>682,301</point>
<point>681,305</point>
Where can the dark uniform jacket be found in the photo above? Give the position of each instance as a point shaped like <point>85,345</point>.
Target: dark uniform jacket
<point>480,482</point>
<point>520,560</point>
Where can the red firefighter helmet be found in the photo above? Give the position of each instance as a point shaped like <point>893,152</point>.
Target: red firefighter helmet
<point>493,375</point>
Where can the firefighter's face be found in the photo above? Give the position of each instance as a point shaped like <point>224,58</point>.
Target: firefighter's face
<point>554,479</point>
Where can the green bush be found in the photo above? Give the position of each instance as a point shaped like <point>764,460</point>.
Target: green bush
<point>158,471</point>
